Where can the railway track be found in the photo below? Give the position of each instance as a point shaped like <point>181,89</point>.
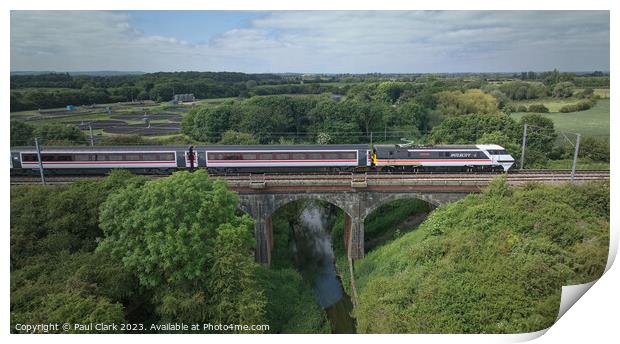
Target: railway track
<point>339,177</point>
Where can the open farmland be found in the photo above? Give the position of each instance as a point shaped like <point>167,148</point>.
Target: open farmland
<point>114,119</point>
<point>591,122</point>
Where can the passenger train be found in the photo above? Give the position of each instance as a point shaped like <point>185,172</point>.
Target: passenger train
<point>263,158</point>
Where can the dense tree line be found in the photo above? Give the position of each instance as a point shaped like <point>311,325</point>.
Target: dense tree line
<point>60,89</point>
<point>124,249</point>
<point>56,275</point>
<point>302,119</point>
<point>23,134</point>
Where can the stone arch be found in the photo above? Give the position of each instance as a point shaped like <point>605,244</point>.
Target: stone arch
<point>283,200</point>
<point>384,199</point>
<point>262,206</point>
<point>344,203</point>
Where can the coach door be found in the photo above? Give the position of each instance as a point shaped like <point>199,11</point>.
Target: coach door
<point>191,158</point>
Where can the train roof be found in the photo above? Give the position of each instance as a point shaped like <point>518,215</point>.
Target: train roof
<point>196,147</point>
<point>438,147</point>
<point>381,147</point>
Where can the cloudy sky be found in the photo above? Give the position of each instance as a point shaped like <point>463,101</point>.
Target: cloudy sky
<point>310,41</point>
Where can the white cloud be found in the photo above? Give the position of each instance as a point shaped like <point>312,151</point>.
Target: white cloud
<point>321,41</point>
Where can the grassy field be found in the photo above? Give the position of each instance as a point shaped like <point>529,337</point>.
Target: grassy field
<point>553,104</point>
<point>592,122</point>
<point>601,92</point>
<point>582,164</point>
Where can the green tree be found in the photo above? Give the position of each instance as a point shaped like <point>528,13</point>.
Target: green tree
<point>594,149</point>
<point>71,307</point>
<point>21,133</point>
<point>339,120</point>
<point>454,103</point>
<point>56,134</point>
<point>468,129</point>
<point>411,113</point>
<point>236,296</point>
<point>541,133</point>
<point>391,91</point>
<point>208,124</point>
<point>232,137</point>
<point>563,89</point>
<point>169,238</point>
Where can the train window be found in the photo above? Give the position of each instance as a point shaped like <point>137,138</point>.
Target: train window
<point>314,156</point>
<point>348,155</point>
<point>166,156</point>
<point>498,152</point>
<point>232,156</point>
<point>265,156</point>
<point>57,157</point>
<point>282,156</point>
<point>29,157</point>
<point>149,157</point>
<point>115,157</point>
<point>80,157</point>
<point>298,156</point>
<point>249,156</point>
<point>219,156</point>
<point>132,157</point>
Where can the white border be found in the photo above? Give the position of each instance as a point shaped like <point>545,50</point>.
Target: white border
<point>594,318</point>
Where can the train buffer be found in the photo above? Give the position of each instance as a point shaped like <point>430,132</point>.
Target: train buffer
<point>359,181</point>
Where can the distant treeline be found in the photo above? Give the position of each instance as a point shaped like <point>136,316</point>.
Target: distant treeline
<point>30,92</point>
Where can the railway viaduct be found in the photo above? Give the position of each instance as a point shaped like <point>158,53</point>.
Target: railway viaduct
<point>358,196</point>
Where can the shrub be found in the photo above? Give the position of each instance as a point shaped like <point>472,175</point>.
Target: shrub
<point>538,108</point>
<point>586,93</point>
<point>594,149</point>
<point>579,106</point>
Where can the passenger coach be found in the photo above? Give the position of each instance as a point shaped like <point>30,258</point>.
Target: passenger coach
<point>263,158</point>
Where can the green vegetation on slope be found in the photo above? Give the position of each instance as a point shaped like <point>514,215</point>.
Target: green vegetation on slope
<point>491,263</point>
<point>291,307</point>
<point>379,228</point>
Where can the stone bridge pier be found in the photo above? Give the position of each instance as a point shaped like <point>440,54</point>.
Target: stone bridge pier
<point>357,205</point>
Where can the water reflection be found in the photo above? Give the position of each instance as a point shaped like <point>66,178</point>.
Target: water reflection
<point>315,261</point>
